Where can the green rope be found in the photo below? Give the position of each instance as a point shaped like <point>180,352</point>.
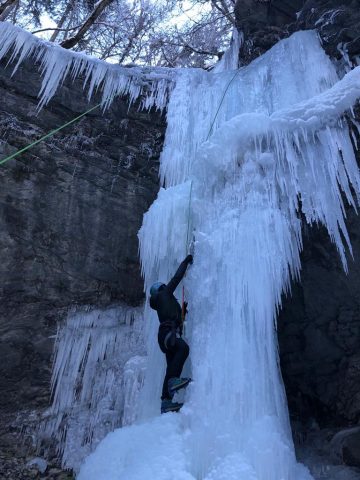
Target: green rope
<point>25,149</point>
<point>19,152</point>
<point>221,102</point>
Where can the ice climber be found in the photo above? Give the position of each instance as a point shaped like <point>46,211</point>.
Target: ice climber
<point>175,348</point>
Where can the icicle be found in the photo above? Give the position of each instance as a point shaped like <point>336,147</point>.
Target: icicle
<point>134,372</point>
<point>230,59</point>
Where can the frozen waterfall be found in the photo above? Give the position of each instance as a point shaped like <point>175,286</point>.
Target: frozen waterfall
<point>279,149</point>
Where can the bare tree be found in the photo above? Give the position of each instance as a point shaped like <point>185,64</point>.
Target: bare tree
<point>151,32</point>
<point>62,20</point>
<point>85,27</point>
<point>6,8</point>
<point>223,7</point>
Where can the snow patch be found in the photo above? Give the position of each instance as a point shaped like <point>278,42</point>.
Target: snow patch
<point>161,455</point>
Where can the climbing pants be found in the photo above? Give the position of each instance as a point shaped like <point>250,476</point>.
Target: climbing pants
<point>176,351</point>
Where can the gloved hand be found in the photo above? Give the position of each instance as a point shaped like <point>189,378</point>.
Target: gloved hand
<point>189,259</point>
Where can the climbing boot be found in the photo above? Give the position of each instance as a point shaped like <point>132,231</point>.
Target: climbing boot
<point>175,384</point>
<point>169,406</point>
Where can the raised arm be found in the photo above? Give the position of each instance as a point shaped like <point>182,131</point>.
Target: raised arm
<point>180,272</point>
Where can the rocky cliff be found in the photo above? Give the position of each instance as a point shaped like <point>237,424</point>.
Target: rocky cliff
<point>319,327</point>
<point>265,22</point>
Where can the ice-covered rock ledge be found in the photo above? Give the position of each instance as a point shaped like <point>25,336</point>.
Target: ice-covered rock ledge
<point>288,133</point>
<point>56,64</point>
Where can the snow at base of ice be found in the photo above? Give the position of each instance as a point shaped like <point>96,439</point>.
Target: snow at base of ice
<point>161,453</point>
<point>165,453</point>
<point>39,463</point>
<point>278,151</point>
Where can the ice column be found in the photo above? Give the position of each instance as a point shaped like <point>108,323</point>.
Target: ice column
<point>248,239</point>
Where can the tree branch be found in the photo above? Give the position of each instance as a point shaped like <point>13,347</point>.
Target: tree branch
<point>56,29</point>
<point>195,50</point>
<point>99,8</point>
<point>6,4</point>
<point>6,8</point>
<point>223,8</point>
<point>64,16</point>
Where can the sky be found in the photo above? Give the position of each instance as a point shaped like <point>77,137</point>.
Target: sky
<point>190,12</point>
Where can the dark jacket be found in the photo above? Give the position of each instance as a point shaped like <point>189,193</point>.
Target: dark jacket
<point>165,303</point>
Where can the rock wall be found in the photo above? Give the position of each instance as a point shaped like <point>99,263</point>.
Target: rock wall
<point>70,211</point>
<point>266,22</point>
<point>319,333</point>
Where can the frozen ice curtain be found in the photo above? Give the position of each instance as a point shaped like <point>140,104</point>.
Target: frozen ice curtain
<point>279,148</point>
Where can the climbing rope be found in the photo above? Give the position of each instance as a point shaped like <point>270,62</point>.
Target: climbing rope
<point>207,138</point>
<point>221,102</point>
<point>183,308</point>
<point>19,152</point>
<point>188,218</point>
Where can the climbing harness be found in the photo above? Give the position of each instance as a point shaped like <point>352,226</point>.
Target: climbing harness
<point>19,152</point>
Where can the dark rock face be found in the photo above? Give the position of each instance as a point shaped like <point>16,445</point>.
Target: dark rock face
<point>264,23</point>
<point>351,449</point>
<point>71,208</point>
<point>338,23</point>
<point>319,333</point>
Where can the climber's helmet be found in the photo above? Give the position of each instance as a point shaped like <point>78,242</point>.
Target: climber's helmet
<point>156,287</point>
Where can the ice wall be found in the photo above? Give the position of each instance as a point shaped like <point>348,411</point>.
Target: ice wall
<point>279,147</point>
<point>97,375</point>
